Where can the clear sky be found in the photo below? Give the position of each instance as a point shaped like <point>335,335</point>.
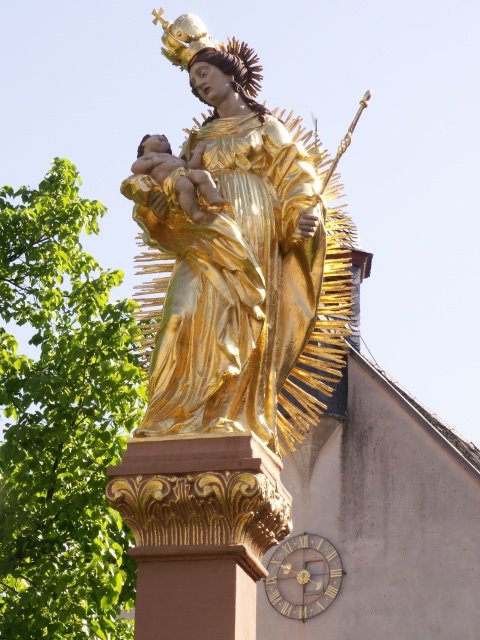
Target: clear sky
<point>86,80</point>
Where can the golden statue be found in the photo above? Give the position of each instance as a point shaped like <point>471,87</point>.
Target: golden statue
<point>242,344</point>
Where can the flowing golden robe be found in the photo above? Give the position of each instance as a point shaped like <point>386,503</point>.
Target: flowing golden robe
<point>217,364</point>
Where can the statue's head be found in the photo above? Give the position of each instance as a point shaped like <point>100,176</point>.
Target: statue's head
<point>156,143</point>
<point>186,41</point>
<point>226,65</point>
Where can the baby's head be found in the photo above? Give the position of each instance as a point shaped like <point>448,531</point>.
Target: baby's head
<point>155,143</point>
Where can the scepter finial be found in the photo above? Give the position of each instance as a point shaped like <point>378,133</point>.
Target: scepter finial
<point>366,97</point>
<point>345,143</point>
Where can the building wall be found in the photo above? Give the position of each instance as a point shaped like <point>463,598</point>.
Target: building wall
<point>403,514</point>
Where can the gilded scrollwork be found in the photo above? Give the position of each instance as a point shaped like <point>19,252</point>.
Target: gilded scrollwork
<point>209,508</point>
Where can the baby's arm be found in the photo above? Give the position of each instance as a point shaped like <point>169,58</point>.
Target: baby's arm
<point>144,164</point>
<point>195,161</point>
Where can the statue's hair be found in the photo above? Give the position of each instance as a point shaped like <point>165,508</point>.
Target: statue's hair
<point>141,146</point>
<point>231,65</point>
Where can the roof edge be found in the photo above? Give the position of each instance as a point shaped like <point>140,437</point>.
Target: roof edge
<point>465,452</point>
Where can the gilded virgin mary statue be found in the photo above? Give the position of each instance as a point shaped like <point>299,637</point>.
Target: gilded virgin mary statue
<point>254,296</point>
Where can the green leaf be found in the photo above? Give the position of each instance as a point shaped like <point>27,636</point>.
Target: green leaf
<point>64,560</point>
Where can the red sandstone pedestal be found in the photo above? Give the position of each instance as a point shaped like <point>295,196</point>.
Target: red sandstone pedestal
<point>203,511</point>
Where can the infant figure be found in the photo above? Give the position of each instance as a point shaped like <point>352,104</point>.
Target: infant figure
<point>155,158</point>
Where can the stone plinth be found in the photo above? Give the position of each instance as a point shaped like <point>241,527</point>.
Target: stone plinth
<point>203,510</point>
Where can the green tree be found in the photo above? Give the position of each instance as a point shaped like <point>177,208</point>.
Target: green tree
<point>68,405</point>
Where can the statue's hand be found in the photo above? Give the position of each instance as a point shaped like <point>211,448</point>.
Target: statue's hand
<point>308,223</point>
<point>197,155</point>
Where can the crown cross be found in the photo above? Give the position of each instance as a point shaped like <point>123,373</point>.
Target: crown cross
<point>157,17</point>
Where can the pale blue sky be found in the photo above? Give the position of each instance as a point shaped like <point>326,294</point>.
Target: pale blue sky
<point>86,80</point>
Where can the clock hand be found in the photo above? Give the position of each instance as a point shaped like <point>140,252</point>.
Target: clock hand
<point>287,568</point>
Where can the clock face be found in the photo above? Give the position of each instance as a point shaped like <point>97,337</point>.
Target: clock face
<point>304,576</point>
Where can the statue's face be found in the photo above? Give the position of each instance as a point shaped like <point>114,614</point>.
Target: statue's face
<point>211,84</point>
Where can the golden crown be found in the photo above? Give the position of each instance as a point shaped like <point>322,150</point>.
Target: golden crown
<point>183,38</point>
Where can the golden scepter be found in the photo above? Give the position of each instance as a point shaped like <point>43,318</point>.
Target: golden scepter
<point>345,143</point>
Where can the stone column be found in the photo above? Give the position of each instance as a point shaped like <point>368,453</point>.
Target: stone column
<point>203,510</point>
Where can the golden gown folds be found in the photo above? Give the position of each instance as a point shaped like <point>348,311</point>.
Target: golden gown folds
<point>219,361</point>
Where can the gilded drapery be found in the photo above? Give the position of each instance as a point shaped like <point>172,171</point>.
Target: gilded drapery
<point>243,295</point>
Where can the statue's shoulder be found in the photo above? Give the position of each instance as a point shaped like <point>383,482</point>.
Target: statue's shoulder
<point>275,130</point>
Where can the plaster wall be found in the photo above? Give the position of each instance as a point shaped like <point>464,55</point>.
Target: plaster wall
<point>403,514</point>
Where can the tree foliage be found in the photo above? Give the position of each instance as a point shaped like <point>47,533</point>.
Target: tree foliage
<point>68,403</point>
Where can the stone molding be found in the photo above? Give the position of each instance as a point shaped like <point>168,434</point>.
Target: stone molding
<point>207,508</point>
